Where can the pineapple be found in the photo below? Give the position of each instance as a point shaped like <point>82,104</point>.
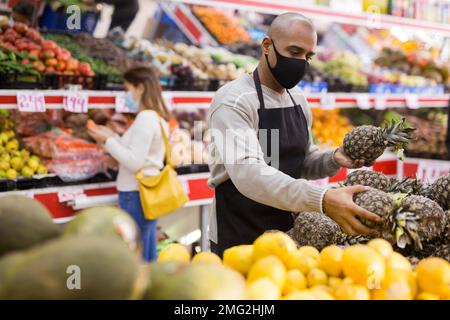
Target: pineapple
<point>407,185</point>
<point>375,201</point>
<point>406,219</point>
<point>368,178</point>
<point>439,191</point>
<point>369,142</point>
<point>318,230</point>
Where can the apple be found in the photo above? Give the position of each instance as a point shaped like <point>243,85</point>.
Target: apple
<point>49,45</point>
<point>85,68</point>
<point>47,54</point>
<point>52,62</point>
<point>25,61</point>
<point>21,28</point>
<point>33,35</point>
<point>61,66</point>
<point>72,64</point>
<point>39,66</point>
<point>34,53</point>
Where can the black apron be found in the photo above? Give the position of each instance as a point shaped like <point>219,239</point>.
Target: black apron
<point>241,220</point>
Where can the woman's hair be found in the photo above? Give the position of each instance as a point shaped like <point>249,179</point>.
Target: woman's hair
<point>25,9</point>
<point>152,98</point>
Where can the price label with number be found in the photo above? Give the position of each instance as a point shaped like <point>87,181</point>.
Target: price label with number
<point>76,102</point>
<point>30,101</point>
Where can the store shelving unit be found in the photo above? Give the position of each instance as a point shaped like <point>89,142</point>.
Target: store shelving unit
<point>378,21</point>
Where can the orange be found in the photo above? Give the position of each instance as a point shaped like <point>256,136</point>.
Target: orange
<point>433,276</point>
<point>382,246</point>
<point>276,244</point>
<point>263,289</point>
<point>331,260</point>
<point>398,262</point>
<point>239,258</point>
<point>363,265</point>
<point>316,277</point>
<point>295,280</point>
<point>270,267</point>
<point>174,252</point>
<point>310,252</point>
<point>351,292</point>
<point>206,257</point>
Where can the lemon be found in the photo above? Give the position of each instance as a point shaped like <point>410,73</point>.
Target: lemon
<point>330,260</point>
<point>322,294</point>
<point>27,172</point>
<point>427,296</point>
<point>322,287</point>
<point>33,164</point>
<point>263,289</point>
<point>17,163</point>
<point>364,265</point>
<point>351,292</point>
<point>4,165</point>
<point>2,174</point>
<point>42,169</point>
<point>295,280</point>
<point>334,282</point>
<point>206,257</point>
<point>310,252</point>
<point>298,260</point>
<point>301,295</point>
<point>316,277</point>
<point>381,246</point>
<point>398,262</point>
<point>433,276</point>
<point>239,258</point>
<point>270,267</point>
<point>397,285</point>
<point>174,252</point>
<point>11,174</point>
<point>276,244</point>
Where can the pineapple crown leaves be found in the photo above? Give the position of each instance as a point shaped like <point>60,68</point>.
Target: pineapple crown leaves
<point>406,185</point>
<point>397,133</point>
<point>404,226</point>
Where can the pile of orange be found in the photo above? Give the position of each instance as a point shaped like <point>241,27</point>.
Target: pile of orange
<point>275,268</point>
<point>329,127</point>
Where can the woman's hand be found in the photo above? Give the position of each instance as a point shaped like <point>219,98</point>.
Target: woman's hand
<point>338,205</point>
<point>100,133</point>
<point>341,158</point>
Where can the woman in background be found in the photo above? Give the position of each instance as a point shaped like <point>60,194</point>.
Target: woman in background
<point>140,147</point>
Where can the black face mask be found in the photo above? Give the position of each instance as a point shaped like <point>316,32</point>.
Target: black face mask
<point>288,71</point>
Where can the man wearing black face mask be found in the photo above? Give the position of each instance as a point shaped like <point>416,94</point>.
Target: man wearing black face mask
<point>261,151</point>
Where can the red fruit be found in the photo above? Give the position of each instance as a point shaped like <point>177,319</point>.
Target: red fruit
<point>47,54</point>
<point>35,53</point>
<point>11,32</point>
<point>39,66</point>
<point>65,55</point>
<point>20,27</point>
<point>72,64</point>
<point>9,46</point>
<point>22,45</point>
<point>32,46</point>
<point>85,68</point>
<point>51,62</point>
<point>9,38</point>
<point>25,61</point>
<point>61,66</point>
<point>50,70</point>
<point>57,51</point>
<point>49,45</point>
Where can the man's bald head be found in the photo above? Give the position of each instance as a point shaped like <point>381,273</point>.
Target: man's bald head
<point>285,23</point>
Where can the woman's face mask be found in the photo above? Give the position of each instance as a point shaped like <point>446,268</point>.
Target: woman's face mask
<point>288,71</point>
<point>132,97</point>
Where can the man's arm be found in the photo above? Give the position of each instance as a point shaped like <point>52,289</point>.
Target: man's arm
<point>237,147</point>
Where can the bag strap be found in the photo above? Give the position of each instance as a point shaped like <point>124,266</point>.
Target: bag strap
<point>166,145</point>
<point>168,159</point>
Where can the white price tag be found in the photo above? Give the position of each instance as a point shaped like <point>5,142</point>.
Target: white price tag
<point>328,101</point>
<point>76,102</point>
<point>412,101</point>
<point>30,101</point>
<point>380,102</point>
<point>121,105</point>
<point>429,170</point>
<point>363,101</point>
<point>70,195</point>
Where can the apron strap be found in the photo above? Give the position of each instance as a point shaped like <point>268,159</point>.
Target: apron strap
<point>292,98</point>
<point>258,89</point>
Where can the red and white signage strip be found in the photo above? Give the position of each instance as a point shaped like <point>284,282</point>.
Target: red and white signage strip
<point>377,21</point>
<point>54,99</point>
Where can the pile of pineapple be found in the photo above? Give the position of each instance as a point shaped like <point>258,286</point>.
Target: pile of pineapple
<point>275,268</point>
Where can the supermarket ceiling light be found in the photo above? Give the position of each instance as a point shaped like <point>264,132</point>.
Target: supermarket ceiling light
<point>191,237</point>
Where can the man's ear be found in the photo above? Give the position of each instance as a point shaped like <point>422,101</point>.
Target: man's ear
<point>265,44</point>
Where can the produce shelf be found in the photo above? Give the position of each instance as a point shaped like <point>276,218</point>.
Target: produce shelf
<point>202,99</point>
<point>378,21</point>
